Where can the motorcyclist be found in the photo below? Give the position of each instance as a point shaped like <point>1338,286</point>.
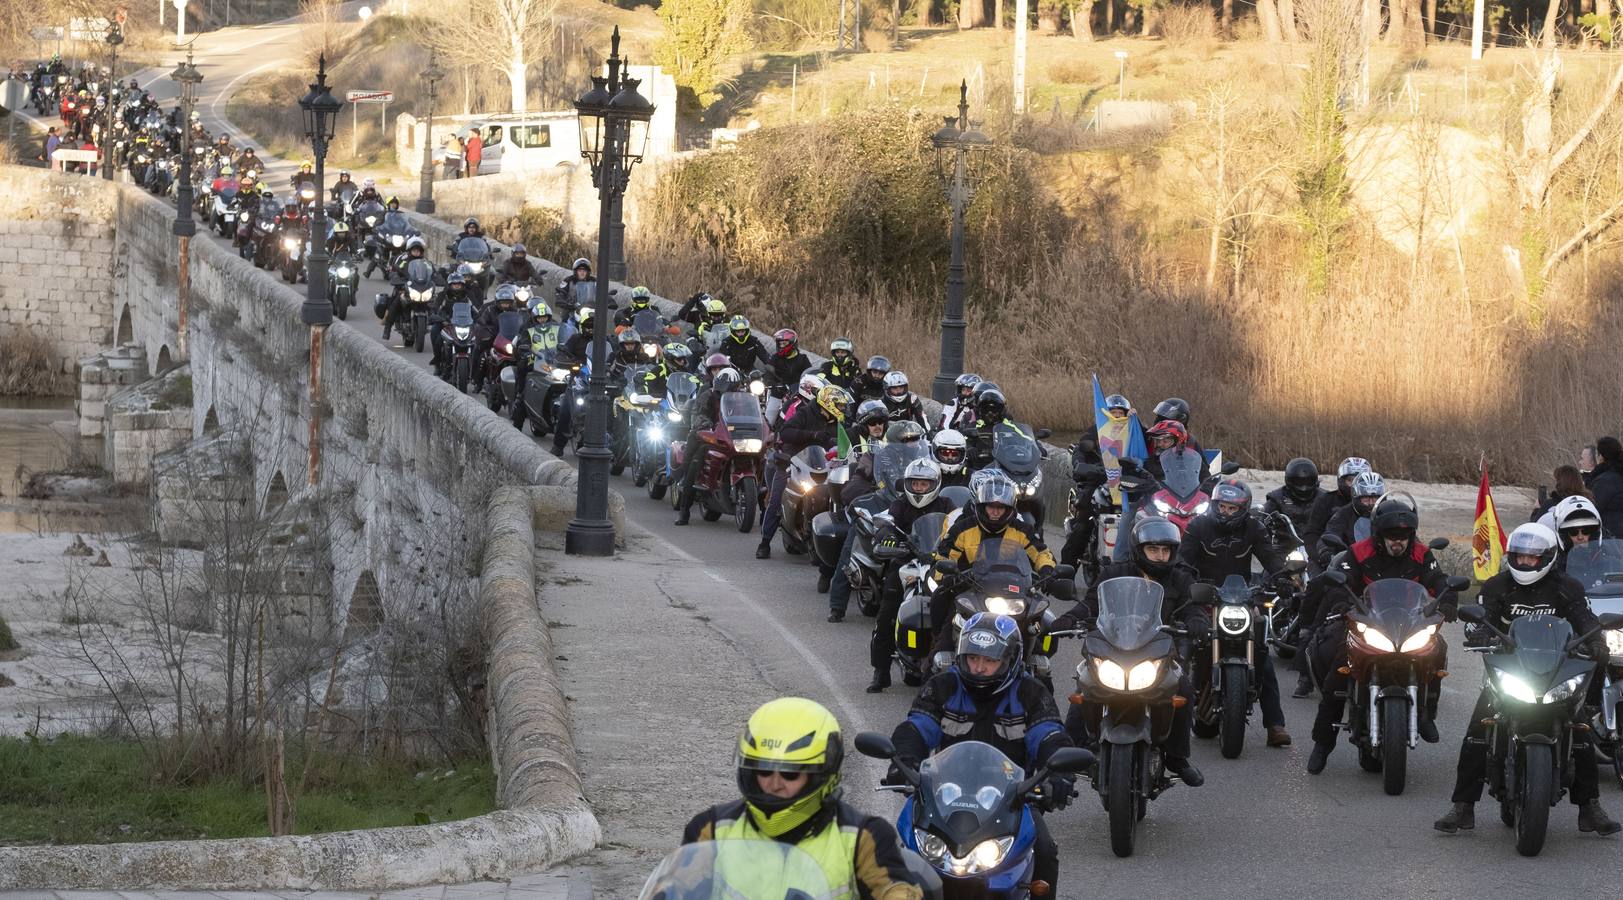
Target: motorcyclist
<point>1176,409</point>
<point>1391,551</point>
<point>1297,497</point>
<point>786,366</point>
<point>991,410</point>
<point>806,392</point>
<point>788,758</point>
<point>920,496</point>
<point>1089,473</point>
<point>341,240</point>
<point>812,424</point>
<point>342,186</point>
<point>1224,541</point>
<point>871,385</point>
<point>226,180</point>
<point>675,358</point>
<point>841,367</point>
<point>1367,489</point>
<point>960,410</point>
<point>394,303</point>
<point>1531,584</point>
<point>1576,521</point>
<point>706,411</point>
<point>743,348</point>
<point>580,273</point>
<point>538,340</point>
<point>642,299</point>
<point>1330,501</point>
<point>518,266</point>
<point>1155,551</point>
<point>369,192</point>
<point>951,452</point>
<point>577,351</point>
<point>899,400</point>
<point>990,517</point>
<point>868,433</point>
<point>986,695</point>
<point>487,325</point>
<point>628,354</point>
<point>305,176</point>
<point>694,309</point>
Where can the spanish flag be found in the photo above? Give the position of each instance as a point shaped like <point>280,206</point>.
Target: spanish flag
<point>1488,541</point>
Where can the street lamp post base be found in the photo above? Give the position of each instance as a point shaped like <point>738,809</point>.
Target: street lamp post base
<point>943,387</point>
<point>586,537</point>
<point>425,205</point>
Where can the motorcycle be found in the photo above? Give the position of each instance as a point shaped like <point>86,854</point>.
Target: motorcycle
<point>1130,673</point>
<point>1226,678</point>
<point>476,254</point>
<point>261,243</point>
<point>968,813</point>
<point>1020,457</point>
<point>1538,687</point>
<point>501,381</point>
<point>222,210</point>
<point>867,514</point>
<point>1392,653</point>
<point>729,479</point>
<point>1179,495</point>
<point>343,278</point>
<point>417,294</point>
<point>388,243</point>
<point>546,388</point>
<point>1599,568</point>
<point>806,494</point>
<point>292,241</point>
<point>915,632</point>
<point>457,341</point>
<point>1099,508</point>
<point>1000,582</point>
<point>634,412</point>
<point>680,389</point>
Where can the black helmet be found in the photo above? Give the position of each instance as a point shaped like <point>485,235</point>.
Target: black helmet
<point>990,405</point>
<point>1158,531</point>
<point>1394,517</point>
<point>994,637</point>
<point>878,364</point>
<point>870,412</point>
<point>1230,490</point>
<point>997,489</point>
<point>1302,479</point>
<point>1173,408</point>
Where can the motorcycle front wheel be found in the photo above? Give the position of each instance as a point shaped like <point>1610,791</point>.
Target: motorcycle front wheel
<point>1394,744</point>
<point>460,376</point>
<point>745,499</point>
<point>1535,797</point>
<point>1235,706</point>
<point>1120,778</point>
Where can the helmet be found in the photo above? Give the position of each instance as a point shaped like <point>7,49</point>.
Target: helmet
<point>630,336</point>
<point>1393,517</point>
<point>393,202</point>
<point>726,380</point>
<point>810,384</point>
<point>581,264</point>
<point>1174,408</point>
<point>504,294</point>
<point>1352,465</point>
<point>833,400</point>
<point>416,241</point>
<point>1302,479</point>
<point>990,404</point>
<point>1368,484</point>
<point>786,339</point>
<point>1534,540</point>
<point>340,227</point>
<point>996,489</point>
<point>678,351</point>
<point>641,296</point>
<point>1117,401</point>
<point>994,637</point>
<point>1573,513</point>
<point>457,279</point>
<point>342,173</point>
<point>1230,490</point>
<point>838,344</point>
<point>518,250</point>
<point>924,469</point>
<point>870,412</point>
<point>739,324</point>
<point>539,308</point>
<point>904,432</point>
<point>717,361</point>
<point>584,318</point>
<point>950,448</point>
<point>369,182</point>
<point>878,364</point>
<point>895,385</point>
<point>966,381</point>
<point>1171,428</point>
<point>1155,530</point>
<point>227,170</point>
<point>789,735</point>
<point>713,308</point>
<point>469,222</point>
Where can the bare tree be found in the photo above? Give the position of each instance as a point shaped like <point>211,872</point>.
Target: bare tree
<point>1239,164</point>
<point>511,33</point>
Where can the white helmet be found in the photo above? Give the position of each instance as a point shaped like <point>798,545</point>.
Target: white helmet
<point>950,449</point>
<point>923,469</point>
<point>1535,540</point>
<point>895,379</point>
<point>1368,484</point>
<point>369,182</point>
<point>810,384</point>
<point>1352,465</point>
<point>1572,512</point>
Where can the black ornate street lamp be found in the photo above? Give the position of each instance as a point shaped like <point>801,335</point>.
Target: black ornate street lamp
<point>115,37</point>
<point>187,76</point>
<point>613,138</point>
<point>320,119</point>
<point>958,146</point>
<point>425,192</point>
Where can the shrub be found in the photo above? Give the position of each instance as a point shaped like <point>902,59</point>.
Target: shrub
<point>27,364</point>
<point>1184,25</point>
<point>1075,71</point>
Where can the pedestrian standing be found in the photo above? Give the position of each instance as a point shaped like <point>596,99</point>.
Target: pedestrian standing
<point>453,157</point>
<point>90,145</point>
<point>52,141</point>
<point>475,151</point>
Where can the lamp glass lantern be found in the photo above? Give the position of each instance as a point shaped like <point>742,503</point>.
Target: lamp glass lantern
<point>631,112</point>
<point>592,108</point>
<point>320,109</point>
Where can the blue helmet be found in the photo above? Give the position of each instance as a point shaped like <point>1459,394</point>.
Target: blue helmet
<point>994,637</point>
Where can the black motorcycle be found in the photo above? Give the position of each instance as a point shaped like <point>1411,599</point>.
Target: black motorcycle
<point>1538,684</point>
<point>456,347</point>
<point>343,279</point>
<point>1000,582</point>
<point>1225,666</point>
<point>477,255</point>
<point>806,494</point>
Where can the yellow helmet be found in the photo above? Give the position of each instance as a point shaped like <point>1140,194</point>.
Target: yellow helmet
<point>789,735</point>
<point>834,400</point>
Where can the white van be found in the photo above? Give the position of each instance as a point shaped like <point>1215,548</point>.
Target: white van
<point>522,143</point>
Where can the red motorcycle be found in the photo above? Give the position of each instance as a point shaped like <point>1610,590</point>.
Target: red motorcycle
<point>1180,495</point>
<point>729,480</point>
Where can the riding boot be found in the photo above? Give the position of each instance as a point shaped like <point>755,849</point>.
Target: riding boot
<point>881,679</point>
<point>1592,818</point>
<point>684,508</point>
<point>1461,817</point>
<point>1304,686</point>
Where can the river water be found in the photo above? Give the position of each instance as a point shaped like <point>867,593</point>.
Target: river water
<point>36,434</point>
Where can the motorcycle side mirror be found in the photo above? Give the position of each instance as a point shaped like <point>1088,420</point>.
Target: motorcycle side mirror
<point>1333,541</point>
<point>1437,543</point>
<point>947,567</point>
<point>1473,613</point>
<point>1202,593</point>
<point>1610,621</point>
<point>1335,576</point>
<point>1229,468</point>
<point>1458,583</point>
<point>1064,573</point>
<point>876,745</point>
<point>1043,434</point>
<point>1070,760</point>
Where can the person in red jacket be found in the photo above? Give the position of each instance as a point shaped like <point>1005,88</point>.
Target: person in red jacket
<point>474,151</point>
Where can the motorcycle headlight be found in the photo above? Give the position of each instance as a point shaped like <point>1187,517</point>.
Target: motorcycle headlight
<point>1201,507</point>
<point>674,415</point>
<point>371,220</point>
<point>397,240</point>
<point>748,445</point>
<point>290,243</point>
<point>1297,555</point>
<point>1004,606</point>
<point>307,193</point>
<point>1111,674</point>
<point>931,847</point>
<point>986,856</point>
<point>650,350</point>
<point>1418,641</point>
<point>415,295</point>
<point>462,332</point>
<point>580,401</point>
<point>1376,640</point>
<point>1515,688</point>
<point>656,434</point>
<point>1234,620</point>
<point>343,271</point>
<point>1143,675</point>
<point>476,267</point>
<point>1614,642</point>
<point>1563,690</point>
<point>1162,507</point>
<point>559,376</point>
<point>758,387</point>
<point>805,484</point>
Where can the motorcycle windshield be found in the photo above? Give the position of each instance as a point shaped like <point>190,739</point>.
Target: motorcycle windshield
<point>1396,604</point>
<point>680,388</point>
<point>462,315</point>
<point>926,532</point>
<point>1234,590</point>
<point>1129,612</point>
<point>966,795</point>
<point>394,223</point>
<point>1541,642</point>
<point>646,324</point>
<point>472,249</point>
<point>1180,469</point>
<point>1598,567</point>
<point>585,292</point>
<point>1002,569</point>
<point>1015,453</point>
<point>891,460</point>
<point>509,324</point>
<point>419,274</point>
<point>758,870</point>
<point>742,414</point>
<point>371,210</point>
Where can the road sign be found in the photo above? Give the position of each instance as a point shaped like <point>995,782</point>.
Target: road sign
<point>369,96</point>
<point>46,33</point>
<point>89,29</point>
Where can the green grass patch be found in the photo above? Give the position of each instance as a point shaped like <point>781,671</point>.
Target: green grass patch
<point>73,790</point>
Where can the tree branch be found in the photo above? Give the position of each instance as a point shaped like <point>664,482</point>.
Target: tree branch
<point>1582,134</point>
<point>1591,230</point>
